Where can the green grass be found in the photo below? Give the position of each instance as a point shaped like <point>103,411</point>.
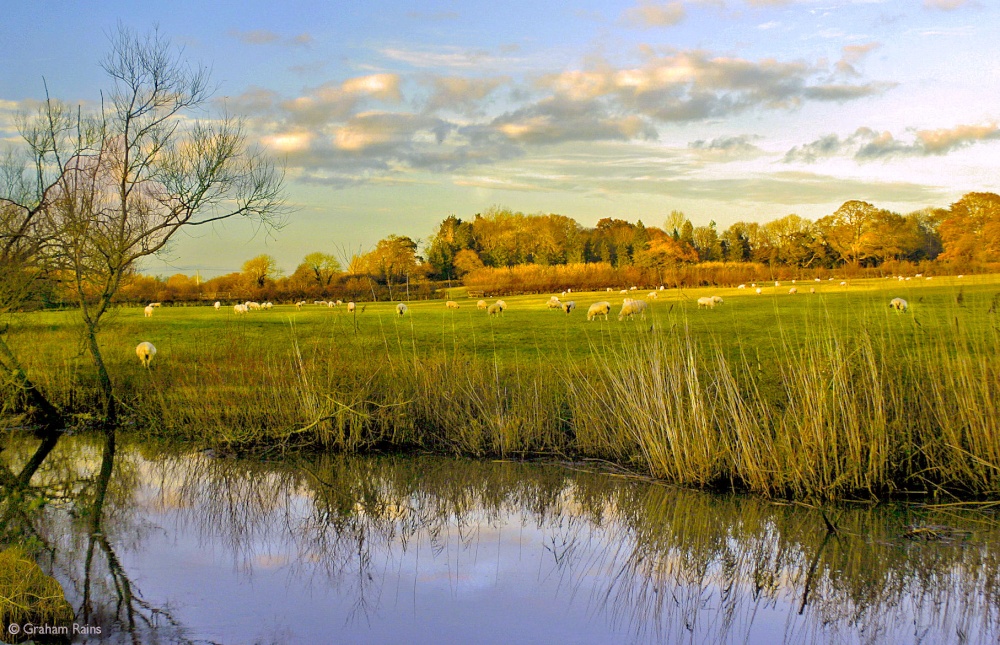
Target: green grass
<point>829,394</point>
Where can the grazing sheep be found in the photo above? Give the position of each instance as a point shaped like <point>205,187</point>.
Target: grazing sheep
<point>156,304</point>
<point>331,304</point>
<point>400,309</point>
<point>494,309</point>
<point>254,306</point>
<point>706,302</point>
<point>661,287</point>
<point>217,305</point>
<point>919,275</point>
<point>960,276</point>
<point>623,291</point>
<point>777,284</point>
<point>451,304</point>
<point>759,291</point>
<point>267,305</point>
<point>319,302</point>
<point>239,309</point>
<point>717,300</point>
<point>298,305</point>
<point>563,294</point>
<point>631,307</point>
<point>754,285</point>
<point>609,288</point>
<point>812,289</point>
<point>793,291</point>
<point>148,311</point>
<point>350,307</point>
<point>928,277</point>
<point>816,280</point>
<point>633,288</point>
<point>502,305</point>
<point>145,351</point>
<point>568,306</point>
<point>652,295</point>
<point>742,286</point>
<point>340,302</point>
<point>553,303</point>
<point>843,283</point>
<point>602,308</point>
<point>899,304</point>
<point>793,281</point>
<point>481,304</point>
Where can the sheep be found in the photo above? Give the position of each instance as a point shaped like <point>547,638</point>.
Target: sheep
<point>633,288</point>
<point>717,300</point>
<point>481,304</point>
<point>816,280</point>
<point>602,308</point>
<point>340,302</point>
<point>631,307</point>
<point>623,291</point>
<point>319,302</point>
<point>812,289</point>
<point>793,281</point>
<point>217,305</point>
<point>156,304</point>
<point>742,286</point>
<point>661,287</point>
<point>401,309</point>
<point>706,302</point>
<point>331,304</point>
<point>754,285</point>
<point>494,309</point>
<point>777,284</point>
<point>148,311</point>
<point>793,291</point>
<point>960,276</point>
<point>609,288</point>
<point>563,294</point>
<point>145,351</point>
<point>553,303</point>
<point>919,275</point>
<point>451,304</point>
<point>899,304</point>
<point>350,307</point>
<point>267,305</point>
<point>239,309</point>
<point>254,306</point>
<point>502,305</point>
<point>298,305</point>
<point>568,307</point>
<point>652,295</point>
<point>843,283</point>
<point>759,291</point>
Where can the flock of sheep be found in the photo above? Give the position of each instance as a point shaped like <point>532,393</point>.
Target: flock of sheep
<point>630,307</point>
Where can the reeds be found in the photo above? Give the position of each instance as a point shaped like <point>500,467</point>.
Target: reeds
<point>889,403</point>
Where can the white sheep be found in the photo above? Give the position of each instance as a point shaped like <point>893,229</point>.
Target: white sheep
<point>706,302</point>
<point>960,276</point>
<point>793,291</point>
<point>319,302</point>
<point>633,288</point>
<point>652,295</point>
<point>623,291</point>
<point>812,289</point>
<point>661,287</point>
<point>602,308</point>
<point>843,283</point>
<point>401,309</point>
<point>563,294</point>
<point>899,304</point>
<point>145,351</point>
<point>742,286</point>
<point>759,291</point>
<point>481,304</point>
<point>350,307</point>
<point>608,289</point>
<point>339,302</point>
<point>217,305</point>
<point>717,300</point>
<point>502,305</point>
<point>919,275</point>
<point>494,309</point>
<point>631,307</point>
<point>331,304</point>
<point>451,304</point>
<point>239,309</point>
<point>267,305</point>
<point>777,284</point>
<point>298,305</point>
<point>816,280</point>
<point>568,307</point>
<point>554,303</point>
<point>148,311</point>
<point>156,304</point>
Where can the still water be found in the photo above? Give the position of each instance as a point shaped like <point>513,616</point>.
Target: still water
<point>155,545</point>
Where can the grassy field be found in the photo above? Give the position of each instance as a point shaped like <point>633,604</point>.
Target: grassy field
<point>829,394</point>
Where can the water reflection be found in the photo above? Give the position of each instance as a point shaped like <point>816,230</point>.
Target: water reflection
<point>174,547</point>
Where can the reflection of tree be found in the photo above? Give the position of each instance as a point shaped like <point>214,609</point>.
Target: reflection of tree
<point>662,564</point>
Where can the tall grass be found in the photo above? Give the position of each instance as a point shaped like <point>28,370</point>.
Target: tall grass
<point>861,401</point>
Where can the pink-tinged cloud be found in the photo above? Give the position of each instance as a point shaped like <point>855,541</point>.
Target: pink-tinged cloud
<point>648,14</point>
<point>945,5</point>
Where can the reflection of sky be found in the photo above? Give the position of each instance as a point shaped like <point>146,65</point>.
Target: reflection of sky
<point>499,585</point>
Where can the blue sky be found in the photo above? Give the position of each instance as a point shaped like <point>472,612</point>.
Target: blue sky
<point>390,116</point>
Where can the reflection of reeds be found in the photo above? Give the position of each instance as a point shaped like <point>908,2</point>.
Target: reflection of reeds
<point>828,408</point>
<point>665,564</point>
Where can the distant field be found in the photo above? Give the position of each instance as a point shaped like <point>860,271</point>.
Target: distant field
<point>829,393</point>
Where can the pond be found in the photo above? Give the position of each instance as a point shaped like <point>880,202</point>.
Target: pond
<point>155,545</point>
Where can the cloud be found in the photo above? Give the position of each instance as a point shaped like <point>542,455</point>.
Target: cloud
<point>944,5</point>
<point>461,93</point>
<point>445,57</point>
<point>728,148</point>
<point>648,15</point>
<point>335,101</point>
<point>868,145</point>
<point>557,120</point>
<point>852,55</point>
<point>266,37</point>
<point>692,85</point>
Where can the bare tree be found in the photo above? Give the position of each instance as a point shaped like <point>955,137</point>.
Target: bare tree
<point>155,170</point>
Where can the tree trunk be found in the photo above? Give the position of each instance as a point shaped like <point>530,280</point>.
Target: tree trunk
<point>40,411</point>
<point>107,392</point>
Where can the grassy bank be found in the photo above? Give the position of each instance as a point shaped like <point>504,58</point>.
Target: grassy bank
<point>810,395</point>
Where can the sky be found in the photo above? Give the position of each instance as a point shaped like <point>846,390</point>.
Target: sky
<point>390,116</point>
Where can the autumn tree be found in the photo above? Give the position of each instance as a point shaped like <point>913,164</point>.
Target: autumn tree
<point>322,267</point>
<point>259,270</point>
<point>970,231</point>
<point>391,261</point>
<point>850,230</point>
